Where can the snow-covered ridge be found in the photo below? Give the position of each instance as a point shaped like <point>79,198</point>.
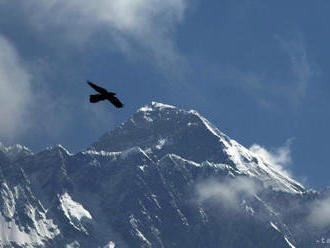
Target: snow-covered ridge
<point>122,154</point>
<point>59,147</point>
<point>155,106</point>
<point>15,151</point>
<point>74,211</point>
<point>100,153</point>
<point>175,157</point>
<point>179,160</point>
<point>213,129</point>
<point>14,148</point>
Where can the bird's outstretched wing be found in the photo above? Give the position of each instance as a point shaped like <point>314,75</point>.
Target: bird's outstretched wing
<point>115,101</point>
<point>97,88</point>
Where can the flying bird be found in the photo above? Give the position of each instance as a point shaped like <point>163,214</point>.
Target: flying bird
<point>104,95</point>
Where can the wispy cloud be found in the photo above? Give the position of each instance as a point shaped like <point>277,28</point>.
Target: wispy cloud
<point>143,27</point>
<point>124,15</point>
<point>280,157</point>
<point>302,68</point>
<point>228,192</point>
<point>15,91</point>
<point>285,80</point>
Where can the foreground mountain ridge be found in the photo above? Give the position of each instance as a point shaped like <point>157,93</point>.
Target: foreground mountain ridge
<point>164,178</point>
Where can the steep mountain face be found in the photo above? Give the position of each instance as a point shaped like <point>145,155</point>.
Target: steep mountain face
<point>164,178</point>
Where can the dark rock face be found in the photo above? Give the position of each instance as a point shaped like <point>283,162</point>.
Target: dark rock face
<point>165,178</point>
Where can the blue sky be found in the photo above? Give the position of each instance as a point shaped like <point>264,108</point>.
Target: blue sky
<point>257,69</point>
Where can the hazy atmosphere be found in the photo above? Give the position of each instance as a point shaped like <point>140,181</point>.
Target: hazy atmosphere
<point>258,70</point>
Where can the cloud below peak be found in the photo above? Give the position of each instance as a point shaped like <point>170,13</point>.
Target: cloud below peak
<point>229,192</point>
<point>320,213</point>
<point>279,158</point>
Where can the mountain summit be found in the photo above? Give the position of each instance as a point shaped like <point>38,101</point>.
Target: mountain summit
<point>164,178</point>
<point>160,129</point>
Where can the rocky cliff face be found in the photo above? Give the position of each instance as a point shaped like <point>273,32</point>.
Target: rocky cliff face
<point>164,178</point>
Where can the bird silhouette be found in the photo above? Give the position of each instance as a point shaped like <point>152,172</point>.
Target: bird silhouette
<point>104,95</point>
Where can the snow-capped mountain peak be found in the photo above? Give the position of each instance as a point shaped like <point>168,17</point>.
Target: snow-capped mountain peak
<point>161,129</point>
<point>166,177</point>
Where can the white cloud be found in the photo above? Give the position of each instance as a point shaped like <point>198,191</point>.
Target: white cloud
<point>228,192</point>
<point>134,16</point>
<point>15,91</point>
<point>279,158</point>
<point>144,25</point>
<point>320,213</point>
